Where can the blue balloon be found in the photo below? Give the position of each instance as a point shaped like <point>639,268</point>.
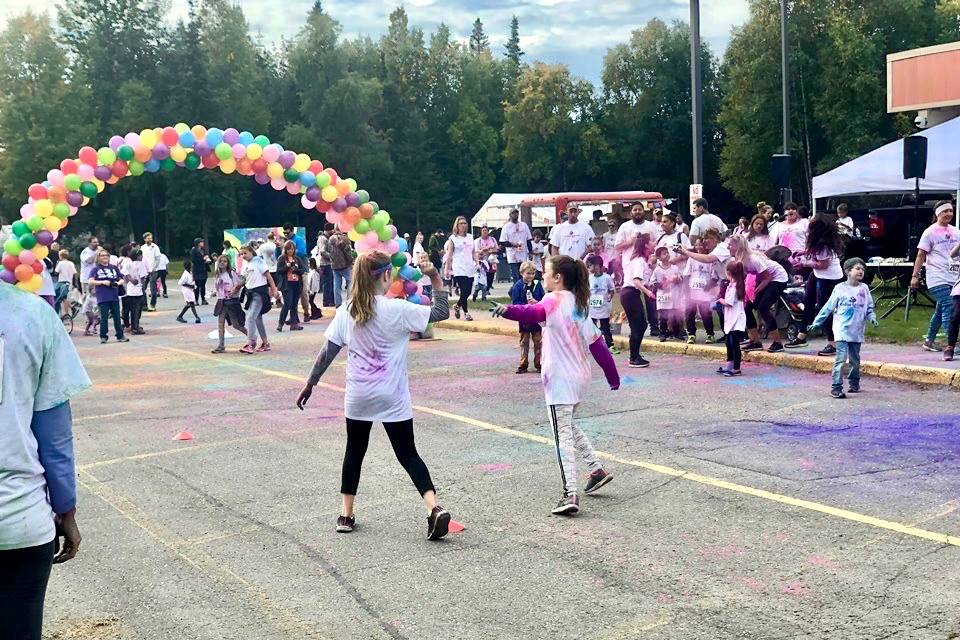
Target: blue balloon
<point>402,242</point>
<point>406,272</point>
<point>187,140</point>
<point>307,179</point>
<point>152,165</point>
<point>246,138</point>
<point>414,298</point>
<point>214,137</point>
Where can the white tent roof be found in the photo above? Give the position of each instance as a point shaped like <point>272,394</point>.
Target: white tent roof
<point>881,170</point>
<point>494,212</point>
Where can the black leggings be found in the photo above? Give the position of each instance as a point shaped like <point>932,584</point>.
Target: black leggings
<point>23,586</point>
<point>201,290</point>
<point>291,297</point>
<point>732,340</point>
<point>465,285</point>
<point>954,323</point>
<point>401,437</point>
<point>815,294</point>
<point>764,306</point>
<point>604,324</point>
<point>706,315</point>
<point>632,300</point>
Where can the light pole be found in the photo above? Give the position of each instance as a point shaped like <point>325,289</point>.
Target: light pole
<point>786,193</point>
<point>696,95</point>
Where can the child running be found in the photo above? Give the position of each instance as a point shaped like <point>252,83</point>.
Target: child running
<point>375,330</point>
<point>734,316</point>
<point>528,290</point>
<point>568,335</point>
<point>188,288</point>
<point>91,312</point>
<point>851,305</point>
<point>601,298</point>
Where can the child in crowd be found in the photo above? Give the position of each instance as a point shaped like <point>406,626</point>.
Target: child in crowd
<point>851,305</point>
<point>227,310</point>
<point>597,248</point>
<point>314,286</point>
<point>136,278</point>
<point>188,289</point>
<point>66,272</point>
<point>375,332</point>
<point>601,298</point>
<point>528,290</point>
<point>536,252</point>
<point>568,335</point>
<point>480,284</point>
<point>702,286</point>
<point>666,283</point>
<point>92,313</point>
<point>734,316</point>
<point>162,263</point>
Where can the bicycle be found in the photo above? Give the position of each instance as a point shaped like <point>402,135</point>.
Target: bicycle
<point>67,318</point>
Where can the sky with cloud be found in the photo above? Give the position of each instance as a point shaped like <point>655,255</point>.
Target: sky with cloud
<point>574,32</point>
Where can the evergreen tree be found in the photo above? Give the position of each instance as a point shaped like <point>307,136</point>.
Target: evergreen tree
<point>479,42</point>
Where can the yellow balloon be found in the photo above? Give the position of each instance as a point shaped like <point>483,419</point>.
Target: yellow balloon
<point>254,151</point>
<point>302,162</point>
<point>52,223</point>
<point>180,127</point>
<point>353,235</point>
<point>199,131</point>
<point>24,286</point>
<point>329,193</point>
<point>228,166</point>
<point>85,202</point>
<point>148,138</point>
<point>178,153</point>
<point>100,185</point>
<point>41,251</point>
<point>274,170</point>
<point>43,208</point>
<point>35,283</point>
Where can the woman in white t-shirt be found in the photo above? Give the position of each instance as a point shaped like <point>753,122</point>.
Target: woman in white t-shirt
<point>672,236</point>
<point>771,280</point>
<point>634,294</point>
<point>460,263</point>
<point>758,237</point>
<point>66,273</point>
<point>825,245</point>
<point>933,250</point>
<point>260,289</point>
<point>375,330</point>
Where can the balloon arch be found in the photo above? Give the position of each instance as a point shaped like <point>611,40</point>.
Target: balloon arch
<point>54,201</point>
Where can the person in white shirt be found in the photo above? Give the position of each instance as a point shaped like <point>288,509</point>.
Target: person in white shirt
<point>758,237</point>
<point>792,231</point>
<point>933,250</point>
<point>260,289</point>
<point>572,237</point>
<point>268,251</point>
<point>516,234</point>
<point>845,223</point>
<point>66,274</point>
<point>162,272</point>
<point>704,220</point>
<point>88,258</point>
<point>151,259</point>
<point>135,277</point>
<point>460,263</point>
<point>537,249</point>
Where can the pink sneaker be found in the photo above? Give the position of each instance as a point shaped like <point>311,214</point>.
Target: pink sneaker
<point>246,349</point>
<point>263,348</point>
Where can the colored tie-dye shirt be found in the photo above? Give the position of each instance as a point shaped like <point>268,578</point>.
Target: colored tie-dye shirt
<point>851,308</point>
<point>567,336</point>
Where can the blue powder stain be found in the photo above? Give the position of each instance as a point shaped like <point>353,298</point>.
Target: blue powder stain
<point>628,380</point>
<point>218,386</point>
<point>764,381</point>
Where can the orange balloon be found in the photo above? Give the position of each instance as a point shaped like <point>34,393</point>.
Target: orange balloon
<point>245,166</point>
<point>366,210</point>
<point>352,214</point>
<point>57,194</point>
<point>396,288</point>
<point>199,131</point>
<point>343,188</point>
<point>142,154</point>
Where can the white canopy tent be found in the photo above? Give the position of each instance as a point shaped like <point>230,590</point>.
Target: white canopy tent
<point>495,211</point>
<point>881,170</point>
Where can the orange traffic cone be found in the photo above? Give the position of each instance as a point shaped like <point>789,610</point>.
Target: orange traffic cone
<point>183,435</point>
<point>455,527</point>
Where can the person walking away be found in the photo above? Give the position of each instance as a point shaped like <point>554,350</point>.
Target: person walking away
<point>162,273</point>
<point>734,316</point>
<point>227,310</point>
<point>851,306</point>
<point>40,372</point>
<point>375,332</point>
<point>461,264</point>
<point>260,289</point>
<point>66,273</point>
<point>188,290</point>
<point>933,251</point>
<point>135,277</point>
<point>528,290</point>
<point>824,247</point>
<point>601,299</point>
<point>151,258</point>
<point>314,287</point>
<point>568,336</point>
<point>323,264</point>
<point>105,281</point>
<point>703,220</point>
<point>516,235</point>
<point>201,267</point>
<point>290,272</point>
<point>572,237</point>
<point>341,261</point>
<point>270,252</point>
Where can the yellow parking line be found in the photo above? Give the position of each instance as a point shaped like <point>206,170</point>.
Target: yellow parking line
<point>845,514</point>
<point>105,415</point>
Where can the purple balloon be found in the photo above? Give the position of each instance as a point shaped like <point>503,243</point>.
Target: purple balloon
<point>102,173</point>
<point>261,178</point>
<point>116,142</point>
<point>75,198</point>
<point>231,136</point>
<point>161,151</point>
<point>409,287</point>
<point>353,200</point>
<point>8,276</point>
<point>339,204</point>
<point>201,149</point>
<point>44,237</point>
<point>286,159</point>
<point>313,193</point>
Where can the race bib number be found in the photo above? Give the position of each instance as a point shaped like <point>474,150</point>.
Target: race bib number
<point>954,268</point>
<point>698,283</point>
<point>596,302</point>
<point>664,299</point>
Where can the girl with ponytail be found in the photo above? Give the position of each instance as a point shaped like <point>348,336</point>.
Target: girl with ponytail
<point>375,330</point>
<point>568,335</point>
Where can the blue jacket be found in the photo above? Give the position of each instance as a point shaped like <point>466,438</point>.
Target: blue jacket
<point>518,295</point>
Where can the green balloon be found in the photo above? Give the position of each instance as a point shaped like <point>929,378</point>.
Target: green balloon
<point>416,275</point>
<point>61,210</point>
<point>35,223</point>
<point>398,259</point>
<point>261,141</point>
<point>88,189</point>
<point>20,227</point>
<point>27,241</point>
<point>125,152</point>
<point>323,179</point>
<point>291,175</point>
<point>364,196</point>
<point>362,226</point>
<point>136,168</point>
<point>12,247</point>
<point>377,224</point>
<point>376,207</point>
<point>223,151</point>
<point>384,234</point>
<point>106,156</point>
<point>192,161</point>
<point>72,182</point>
<point>168,164</point>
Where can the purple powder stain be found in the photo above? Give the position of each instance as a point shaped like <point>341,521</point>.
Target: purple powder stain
<point>807,464</point>
<point>495,467</point>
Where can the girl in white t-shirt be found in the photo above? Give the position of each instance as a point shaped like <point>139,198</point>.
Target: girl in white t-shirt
<point>460,262</point>
<point>375,330</point>
<point>668,285</point>
<point>701,286</point>
<point>758,237</point>
<point>734,316</point>
<point>771,280</point>
<point>66,273</point>
<point>825,245</point>
<point>260,289</point>
<point>568,335</point>
<point>188,289</point>
<point>536,252</point>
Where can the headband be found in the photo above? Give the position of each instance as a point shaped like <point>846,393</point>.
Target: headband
<point>380,270</point>
<point>944,207</point>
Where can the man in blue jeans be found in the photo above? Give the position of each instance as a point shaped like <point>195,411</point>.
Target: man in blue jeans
<point>933,251</point>
<point>341,261</point>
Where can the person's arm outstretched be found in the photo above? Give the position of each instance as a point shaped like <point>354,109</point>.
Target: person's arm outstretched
<point>601,354</point>
<point>825,312</point>
<point>320,366</point>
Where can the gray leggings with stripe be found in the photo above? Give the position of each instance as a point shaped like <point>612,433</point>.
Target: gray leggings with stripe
<point>570,441</point>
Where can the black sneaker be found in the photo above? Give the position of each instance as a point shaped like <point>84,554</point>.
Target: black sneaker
<point>796,343</point>
<point>123,339</point>
<point>179,319</point>
<point>346,524</point>
<point>775,347</point>
<point>752,346</point>
<point>438,523</point>
<point>597,479</point>
<point>639,363</point>
<point>663,337</point>
<point>568,506</point>
<point>104,340</point>
<point>838,394</point>
<point>853,390</point>
<point>828,350</point>
<point>931,346</point>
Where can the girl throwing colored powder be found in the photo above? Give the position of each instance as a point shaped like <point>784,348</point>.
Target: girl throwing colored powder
<point>568,334</point>
<point>376,331</point>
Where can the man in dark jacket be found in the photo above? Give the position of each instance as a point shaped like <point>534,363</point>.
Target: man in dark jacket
<point>201,266</point>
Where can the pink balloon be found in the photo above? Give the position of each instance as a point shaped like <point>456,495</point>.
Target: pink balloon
<point>27,257</point>
<point>334,217</point>
<point>392,247</point>
<point>26,211</point>
<point>55,176</point>
<point>73,210</point>
<point>239,151</point>
<point>270,153</point>
<point>279,184</point>
<point>362,246</point>
<point>293,188</point>
<point>307,204</point>
<point>132,139</point>
<point>116,142</point>
<point>85,172</point>
<point>344,225</point>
